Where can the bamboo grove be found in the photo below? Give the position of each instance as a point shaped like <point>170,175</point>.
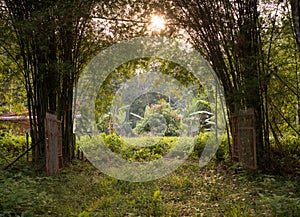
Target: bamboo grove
<point>51,41</point>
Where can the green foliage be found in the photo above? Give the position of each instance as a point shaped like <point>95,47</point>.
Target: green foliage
<point>82,190</point>
<point>12,91</point>
<point>200,142</point>
<point>286,155</point>
<point>111,85</point>
<point>147,149</point>
<point>155,151</point>
<point>113,142</point>
<point>20,195</point>
<point>160,120</point>
<point>142,149</point>
<point>291,144</point>
<point>11,146</point>
<point>280,197</point>
<point>158,203</point>
<point>134,68</point>
<point>223,152</point>
<point>284,79</point>
<point>138,107</point>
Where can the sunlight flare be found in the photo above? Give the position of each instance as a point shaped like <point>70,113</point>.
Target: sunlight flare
<point>157,23</point>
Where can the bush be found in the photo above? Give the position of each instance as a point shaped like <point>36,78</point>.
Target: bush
<point>151,148</point>
<point>285,157</point>
<point>143,149</point>
<point>223,153</point>
<point>139,148</point>
<point>200,143</point>
<point>11,146</point>
<point>113,142</point>
<point>160,120</point>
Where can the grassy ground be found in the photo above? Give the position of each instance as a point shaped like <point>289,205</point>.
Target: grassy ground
<point>82,190</point>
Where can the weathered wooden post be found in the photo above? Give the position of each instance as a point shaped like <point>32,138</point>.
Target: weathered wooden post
<point>53,144</point>
<point>244,139</point>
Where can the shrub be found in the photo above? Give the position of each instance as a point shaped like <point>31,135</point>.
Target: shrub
<point>223,153</point>
<point>113,142</point>
<point>160,120</point>
<point>138,148</point>
<point>285,157</point>
<point>143,149</point>
<point>200,142</point>
<point>11,146</point>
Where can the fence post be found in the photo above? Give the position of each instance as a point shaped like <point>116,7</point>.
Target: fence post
<point>244,139</point>
<point>53,143</point>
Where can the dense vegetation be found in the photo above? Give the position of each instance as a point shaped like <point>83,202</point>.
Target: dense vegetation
<point>81,190</point>
<point>46,45</point>
<point>219,189</point>
<point>253,46</point>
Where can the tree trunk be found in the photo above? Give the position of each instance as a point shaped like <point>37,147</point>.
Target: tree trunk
<point>295,5</point>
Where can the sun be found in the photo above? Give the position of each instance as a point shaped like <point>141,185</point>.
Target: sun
<point>157,23</point>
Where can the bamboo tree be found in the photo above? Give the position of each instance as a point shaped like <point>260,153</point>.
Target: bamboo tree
<point>51,37</point>
<point>228,34</point>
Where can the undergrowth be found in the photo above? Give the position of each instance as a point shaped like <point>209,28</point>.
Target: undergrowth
<point>82,190</point>
<point>218,189</point>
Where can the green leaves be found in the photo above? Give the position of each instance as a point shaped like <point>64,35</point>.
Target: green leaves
<point>11,146</point>
<point>189,191</point>
<point>160,120</point>
<point>21,195</point>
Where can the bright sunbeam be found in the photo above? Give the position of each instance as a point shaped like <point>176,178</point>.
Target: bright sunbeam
<point>157,23</point>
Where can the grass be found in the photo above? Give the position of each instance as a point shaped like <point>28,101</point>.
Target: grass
<point>82,190</point>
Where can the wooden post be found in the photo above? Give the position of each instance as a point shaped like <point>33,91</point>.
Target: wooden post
<point>244,139</point>
<point>53,145</point>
